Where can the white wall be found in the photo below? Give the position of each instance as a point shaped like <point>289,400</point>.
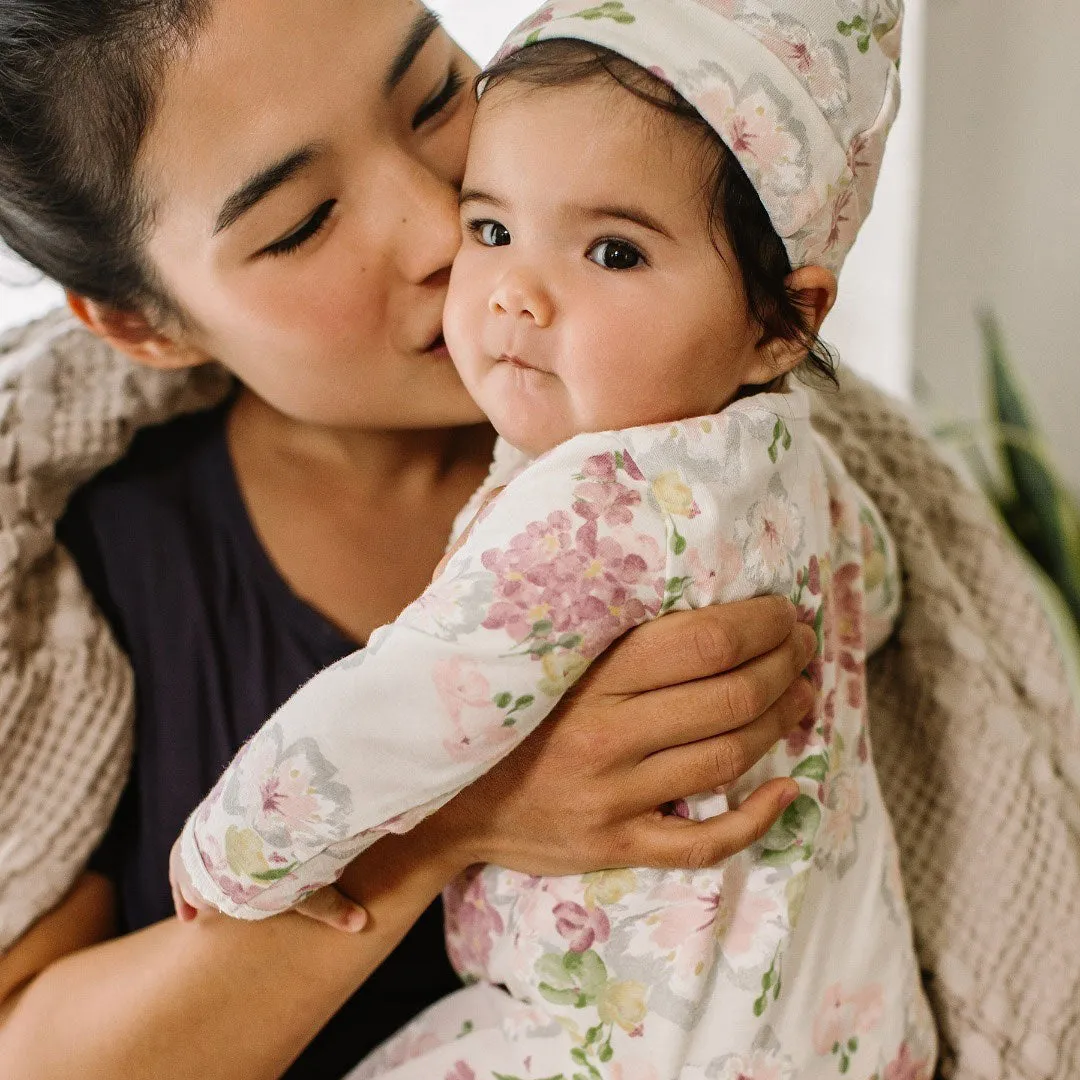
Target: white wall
<point>1001,220</point>
<point>873,324</point>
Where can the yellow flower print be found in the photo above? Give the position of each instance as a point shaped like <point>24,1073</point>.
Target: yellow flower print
<point>674,495</point>
<point>623,1003</point>
<point>561,671</point>
<point>244,852</point>
<point>608,886</point>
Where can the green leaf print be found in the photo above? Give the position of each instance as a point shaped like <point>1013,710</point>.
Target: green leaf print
<point>781,439</point>
<point>275,875</point>
<point>572,979</point>
<point>770,985</point>
<point>791,839</point>
<point>815,768</point>
<point>503,700</point>
<point>614,10</point>
<point>674,590</point>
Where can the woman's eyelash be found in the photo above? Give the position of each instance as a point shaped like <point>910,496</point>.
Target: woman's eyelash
<point>451,88</point>
<point>310,228</point>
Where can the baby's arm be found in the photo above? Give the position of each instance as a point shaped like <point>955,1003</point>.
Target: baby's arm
<point>569,557</point>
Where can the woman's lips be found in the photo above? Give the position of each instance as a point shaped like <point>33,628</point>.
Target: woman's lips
<point>438,348</point>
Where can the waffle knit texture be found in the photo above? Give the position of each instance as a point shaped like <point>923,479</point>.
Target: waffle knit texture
<point>976,737</point>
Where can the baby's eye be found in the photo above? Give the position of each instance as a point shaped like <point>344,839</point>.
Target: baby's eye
<point>492,233</point>
<point>616,255</point>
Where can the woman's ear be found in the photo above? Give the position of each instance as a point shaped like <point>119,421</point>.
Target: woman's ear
<point>813,289</point>
<point>133,334</point>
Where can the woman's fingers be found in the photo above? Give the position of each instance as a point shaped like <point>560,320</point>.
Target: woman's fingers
<point>335,909</point>
<point>671,842</point>
<point>705,708</point>
<point>717,762</point>
<point>693,645</point>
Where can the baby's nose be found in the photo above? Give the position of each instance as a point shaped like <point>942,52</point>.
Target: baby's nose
<point>522,297</point>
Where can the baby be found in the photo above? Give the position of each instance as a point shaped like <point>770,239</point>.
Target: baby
<point>658,197</point>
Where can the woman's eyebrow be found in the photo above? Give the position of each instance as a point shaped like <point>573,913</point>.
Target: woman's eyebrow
<point>261,184</point>
<point>424,25</point>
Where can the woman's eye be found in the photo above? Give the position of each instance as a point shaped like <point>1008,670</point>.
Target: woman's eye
<point>305,232</point>
<point>433,106</point>
<point>492,233</point>
<point>616,255</point>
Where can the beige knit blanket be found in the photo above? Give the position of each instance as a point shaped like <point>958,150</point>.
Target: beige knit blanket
<point>976,738</point>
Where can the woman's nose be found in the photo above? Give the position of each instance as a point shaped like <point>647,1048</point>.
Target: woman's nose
<point>522,296</point>
<point>430,233</point>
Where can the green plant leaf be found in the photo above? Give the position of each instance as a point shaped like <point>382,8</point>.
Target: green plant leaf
<point>1041,514</point>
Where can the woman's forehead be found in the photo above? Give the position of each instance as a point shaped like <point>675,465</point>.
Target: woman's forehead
<point>264,81</point>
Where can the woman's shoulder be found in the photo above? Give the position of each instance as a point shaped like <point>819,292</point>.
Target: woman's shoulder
<point>164,464</point>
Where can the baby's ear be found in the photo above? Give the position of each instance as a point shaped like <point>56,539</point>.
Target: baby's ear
<point>813,289</point>
<point>132,333</point>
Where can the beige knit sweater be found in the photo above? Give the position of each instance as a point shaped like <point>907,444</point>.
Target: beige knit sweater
<point>976,738</point>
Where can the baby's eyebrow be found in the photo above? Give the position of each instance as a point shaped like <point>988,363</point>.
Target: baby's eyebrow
<point>471,195</point>
<point>634,214</point>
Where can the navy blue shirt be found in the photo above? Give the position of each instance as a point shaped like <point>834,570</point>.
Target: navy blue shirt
<point>218,641</point>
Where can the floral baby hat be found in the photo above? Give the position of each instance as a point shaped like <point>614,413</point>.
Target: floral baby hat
<point>803,92</point>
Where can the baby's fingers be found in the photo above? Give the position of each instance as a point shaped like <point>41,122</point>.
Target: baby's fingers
<point>335,909</point>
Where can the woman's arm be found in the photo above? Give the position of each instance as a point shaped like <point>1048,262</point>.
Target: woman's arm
<point>212,1000</point>
<point>679,706</point>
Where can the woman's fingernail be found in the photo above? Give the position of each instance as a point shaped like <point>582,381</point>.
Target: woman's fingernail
<point>789,796</point>
<point>356,921</point>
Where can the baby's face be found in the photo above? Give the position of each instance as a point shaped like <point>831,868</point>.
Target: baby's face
<point>588,294</point>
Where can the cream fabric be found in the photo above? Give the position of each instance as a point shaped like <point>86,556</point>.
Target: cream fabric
<point>975,734</point>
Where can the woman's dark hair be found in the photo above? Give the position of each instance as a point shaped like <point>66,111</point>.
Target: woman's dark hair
<point>734,208</point>
<point>78,82</point>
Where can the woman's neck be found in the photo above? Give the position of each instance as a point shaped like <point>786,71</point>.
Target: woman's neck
<point>403,466</point>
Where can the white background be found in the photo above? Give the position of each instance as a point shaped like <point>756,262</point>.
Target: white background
<point>874,322</point>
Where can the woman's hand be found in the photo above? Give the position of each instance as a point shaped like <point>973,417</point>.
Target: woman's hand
<point>682,705</point>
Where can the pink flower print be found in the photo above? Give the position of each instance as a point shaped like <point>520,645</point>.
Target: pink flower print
<point>472,924</point>
<point>460,685</point>
<point>799,739</point>
<point>848,606</point>
<point>753,1065</point>
<point>775,534</point>
<point>476,722</point>
<point>609,502</point>
<point>714,570</point>
<point>600,467</point>
<point>755,132</point>
<point>843,1016</point>
<point>684,913</point>
<point>633,1070</point>
<point>741,921</point>
<point>579,592</point>
<point>534,22</point>
<point>803,52</point>
<point>460,1071</point>
<point>905,1067</point>
<point>581,927</point>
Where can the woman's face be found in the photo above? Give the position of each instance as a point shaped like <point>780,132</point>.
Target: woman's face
<point>302,171</point>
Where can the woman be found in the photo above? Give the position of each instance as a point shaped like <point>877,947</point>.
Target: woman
<point>273,187</point>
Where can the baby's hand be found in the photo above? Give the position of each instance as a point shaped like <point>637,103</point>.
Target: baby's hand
<point>329,905</point>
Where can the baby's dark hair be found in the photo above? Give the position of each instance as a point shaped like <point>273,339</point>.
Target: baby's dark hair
<point>78,82</point>
<point>734,208</point>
